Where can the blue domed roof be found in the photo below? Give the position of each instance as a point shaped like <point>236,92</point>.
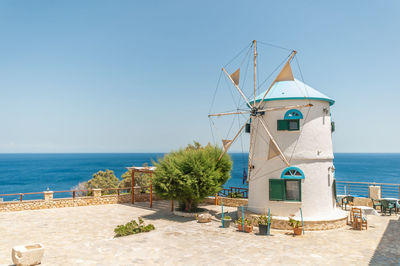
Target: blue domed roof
<point>293,90</point>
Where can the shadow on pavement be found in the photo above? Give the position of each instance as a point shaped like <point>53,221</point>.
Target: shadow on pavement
<point>388,250</point>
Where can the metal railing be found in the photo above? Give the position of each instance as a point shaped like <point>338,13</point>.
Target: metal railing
<point>357,189</point>
<point>361,189</point>
<point>234,192</point>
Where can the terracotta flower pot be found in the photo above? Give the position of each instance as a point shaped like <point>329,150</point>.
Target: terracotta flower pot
<point>298,231</point>
<point>247,228</point>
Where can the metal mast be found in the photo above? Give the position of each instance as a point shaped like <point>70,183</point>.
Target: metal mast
<point>255,69</point>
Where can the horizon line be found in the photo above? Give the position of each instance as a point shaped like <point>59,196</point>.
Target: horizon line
<point>148,152</point>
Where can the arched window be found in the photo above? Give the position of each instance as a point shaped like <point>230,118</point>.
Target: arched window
<point>292,173</point>
<point>291,121</point>
<point>293,114</point>
<point>288,188</point>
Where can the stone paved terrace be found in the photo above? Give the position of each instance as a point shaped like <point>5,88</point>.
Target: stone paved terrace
<point>84,236</point>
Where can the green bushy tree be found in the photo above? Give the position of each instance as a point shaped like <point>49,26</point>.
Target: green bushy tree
<point>191,174</point>
<point>103,179</point>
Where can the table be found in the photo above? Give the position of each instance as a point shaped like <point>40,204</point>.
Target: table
<point>393,200</point>
<point>367,210</point>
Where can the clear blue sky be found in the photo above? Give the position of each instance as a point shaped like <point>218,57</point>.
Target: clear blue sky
<point>138,76</point>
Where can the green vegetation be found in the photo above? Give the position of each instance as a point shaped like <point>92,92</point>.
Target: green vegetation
<point>227,217</point>
<point>235,195</point>
<point>191,174</point>
<point>263,219</point>
<point>103,180</point>
<point>294,223</point>
<point>133,227</point>
<point>246,221</point>
<point>141,179</point>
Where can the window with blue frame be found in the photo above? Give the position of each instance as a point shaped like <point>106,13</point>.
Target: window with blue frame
<point>291,121</point>
<point>288,188</point>
<point>293,114</point>
<point>292,173</point>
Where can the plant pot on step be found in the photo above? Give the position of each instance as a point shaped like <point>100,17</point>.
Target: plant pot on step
<point>263,228</point>
<point>298,231</point>
<point>226,222</point>
<point>247,228</point>
<point>263,222</point>
<point>296,225</point>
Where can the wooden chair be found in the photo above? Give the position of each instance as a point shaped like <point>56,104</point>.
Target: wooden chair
<point>348,200</point>
<point>387,206</point>
<point>359,221</point>
<point>376,203</point>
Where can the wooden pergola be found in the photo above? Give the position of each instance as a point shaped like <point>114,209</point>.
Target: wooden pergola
<point>144,170</point>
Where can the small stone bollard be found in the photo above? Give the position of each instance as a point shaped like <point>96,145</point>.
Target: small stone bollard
<point>137,189</point>
<point>48,195</point>
<point>96,192</point>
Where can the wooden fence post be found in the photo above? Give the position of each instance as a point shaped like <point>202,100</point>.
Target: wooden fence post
<point>132,190</point>
<point>151,190</point>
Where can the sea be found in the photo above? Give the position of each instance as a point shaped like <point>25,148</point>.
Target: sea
<point>22,173</point>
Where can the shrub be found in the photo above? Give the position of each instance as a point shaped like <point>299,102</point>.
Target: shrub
<point>227,217</point>
<point>191,174</point>
<point>246,221</point>
<point>133,227</point>
<point>81,186</point>
<point>103,180</point>
<point>263,219</point>
<point>235,195</point>
<point>294,223</point>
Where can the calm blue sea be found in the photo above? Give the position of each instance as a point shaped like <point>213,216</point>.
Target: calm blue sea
<point>37,172</point>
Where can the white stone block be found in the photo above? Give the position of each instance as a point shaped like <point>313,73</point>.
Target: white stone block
<point>28,254</point>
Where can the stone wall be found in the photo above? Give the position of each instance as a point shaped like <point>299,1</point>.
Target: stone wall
<point>230,202</point>
<point>49,202</point>
<point>282,222</point>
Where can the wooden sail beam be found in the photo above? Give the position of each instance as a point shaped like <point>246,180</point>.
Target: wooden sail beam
<point>265,94</point>
<point>230,113</point>
<point>285,107</point>
<point>273,140</point>
<point>250,159</point>
<point>234,138</point>
<point>237,87</point>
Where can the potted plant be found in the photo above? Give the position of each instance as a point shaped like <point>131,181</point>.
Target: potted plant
<point>296,225</point>
<point>248,227</point>
<point>226,222</point>
<point>262,221</point>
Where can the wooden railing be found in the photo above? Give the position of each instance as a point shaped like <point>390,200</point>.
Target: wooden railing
<point>72,193</point>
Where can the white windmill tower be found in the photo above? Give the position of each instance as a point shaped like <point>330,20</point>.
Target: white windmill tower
<point>290,164</point>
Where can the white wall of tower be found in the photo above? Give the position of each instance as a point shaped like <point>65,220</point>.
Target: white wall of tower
<point>309,149</point>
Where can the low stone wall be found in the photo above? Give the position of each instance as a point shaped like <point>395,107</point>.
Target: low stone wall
<point>49,202</point>
<point>230,202</point>
<point>282,222</point>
